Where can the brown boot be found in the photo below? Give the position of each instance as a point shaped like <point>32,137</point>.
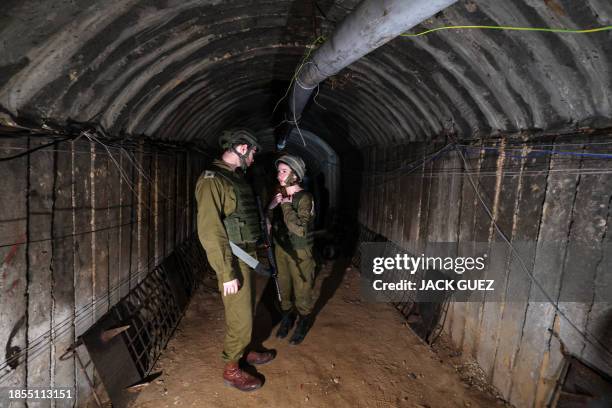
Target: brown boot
<point>235,377</point>
<point>254,357</point>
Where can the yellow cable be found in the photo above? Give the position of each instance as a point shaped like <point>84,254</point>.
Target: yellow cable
<point>551,30</point>
<point>296,72</point>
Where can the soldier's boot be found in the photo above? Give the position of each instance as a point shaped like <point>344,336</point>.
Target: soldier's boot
<point>286,324</point>
<point>253,357</point>
<point>301,329</point>
<point>237,378</point>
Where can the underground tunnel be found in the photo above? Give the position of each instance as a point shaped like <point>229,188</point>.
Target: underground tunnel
<point>457,159</point>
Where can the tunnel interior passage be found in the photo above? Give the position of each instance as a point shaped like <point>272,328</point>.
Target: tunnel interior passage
<point>496,129</point>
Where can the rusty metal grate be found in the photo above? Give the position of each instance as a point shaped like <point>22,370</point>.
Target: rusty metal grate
<point>153,312</point>
<point>423,317</point>
<point>125,343</point>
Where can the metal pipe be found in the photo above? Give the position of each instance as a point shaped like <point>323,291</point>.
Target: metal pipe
<point>372,24</point>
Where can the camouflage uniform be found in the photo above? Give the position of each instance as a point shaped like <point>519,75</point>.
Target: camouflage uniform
<point>227,211</point>
<point>292,232</point>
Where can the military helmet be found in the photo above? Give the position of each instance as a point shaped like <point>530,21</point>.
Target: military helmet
<point>232,137</point>
<point>295,163</point>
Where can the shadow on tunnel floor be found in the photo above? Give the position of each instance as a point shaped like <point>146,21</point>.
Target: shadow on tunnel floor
<point>330,283</point>
<point>267,312</point>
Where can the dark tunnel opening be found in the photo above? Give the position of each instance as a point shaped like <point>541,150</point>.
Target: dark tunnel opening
<point>479,133</point>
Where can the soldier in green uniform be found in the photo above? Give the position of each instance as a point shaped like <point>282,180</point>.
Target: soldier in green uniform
<point>227,211</point>
<point>292,215</point>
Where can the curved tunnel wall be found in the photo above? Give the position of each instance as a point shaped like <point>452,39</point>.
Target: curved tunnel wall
<point>181,71</point>
<point>185,70</point>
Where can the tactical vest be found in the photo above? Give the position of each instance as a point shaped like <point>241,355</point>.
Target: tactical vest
<point>242,225</point>
<point>287,239</point>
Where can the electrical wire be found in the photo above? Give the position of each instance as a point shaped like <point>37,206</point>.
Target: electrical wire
<point>540,144</point>
<point>584,333</point>
<point>70,235</point>
<point>420,163</point>
<point>505,172</point>
<point>123,175</point>
<point>151,146</point>
<point>80,315</point>
<point>37,148</point>
<point>295,120</point>
<point>174,202</point>
<point>533,173</point>
<point>314,99</point>
<point>532,170</point>
<point>401,167</point>
<point>101,228</point>
<point>121,171</point>
<point>312,46</point>
<point>39,344</point>
<point>541,152</point>
<point>510,28</point>
<point>141,171</point>
<point>412,165</point>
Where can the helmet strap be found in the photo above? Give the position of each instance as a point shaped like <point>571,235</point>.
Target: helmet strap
<point>243,157</point>
<point>291,179</point>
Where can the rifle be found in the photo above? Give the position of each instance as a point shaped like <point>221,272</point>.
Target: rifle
<point>268,245</point>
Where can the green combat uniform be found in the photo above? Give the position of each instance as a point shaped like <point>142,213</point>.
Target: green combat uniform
<point>292,231</point>
<point>227,211</point>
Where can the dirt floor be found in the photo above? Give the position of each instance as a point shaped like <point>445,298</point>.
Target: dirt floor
<point>356,355</point>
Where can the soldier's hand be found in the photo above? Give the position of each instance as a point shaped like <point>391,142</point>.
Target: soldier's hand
<point>231,287</point>
<point>277,199</point>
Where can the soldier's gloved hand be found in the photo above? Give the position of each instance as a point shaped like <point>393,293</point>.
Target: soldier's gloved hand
<point>231,287</point>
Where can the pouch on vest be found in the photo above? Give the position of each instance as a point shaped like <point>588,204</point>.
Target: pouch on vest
<point>232,226</point>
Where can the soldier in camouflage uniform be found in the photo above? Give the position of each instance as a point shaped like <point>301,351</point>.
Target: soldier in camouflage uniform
<point>227,211</point>
<point>292,227</point>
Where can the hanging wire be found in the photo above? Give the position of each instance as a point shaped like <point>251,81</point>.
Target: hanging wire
<point>124,176</point>
<point>81,314</point>
<point>76,234</point>
<point>414,166</point>
<point>537,152</point>
<point>314,99</point>
<point>92,138</point>
<point>35,149</point>
<point>36,345</point>
<point>312,46</point>
<point>586,334</point>
<point>561,156</point>
<point>295,120</point>
<point>174,203</point>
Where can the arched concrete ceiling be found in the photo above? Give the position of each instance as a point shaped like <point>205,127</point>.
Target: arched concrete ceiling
<point>181,70</point>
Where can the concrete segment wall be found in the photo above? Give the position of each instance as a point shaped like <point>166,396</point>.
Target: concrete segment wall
<point>534,198</point>
<point>78,229</point>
